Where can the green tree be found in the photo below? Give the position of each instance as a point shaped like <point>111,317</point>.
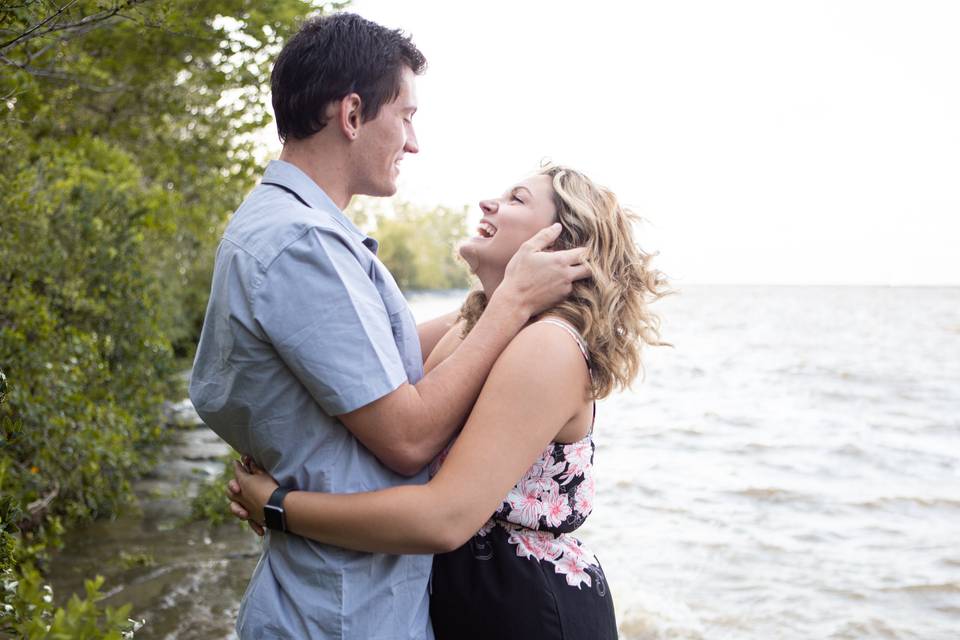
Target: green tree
<point>127,135</point>
<point>181,86</point>
<point>417,244</point>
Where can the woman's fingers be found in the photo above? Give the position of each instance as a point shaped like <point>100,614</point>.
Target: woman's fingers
<point>237,509</point>
<point>234,492</point>
<point>246,472</point>
<point>247,466</point>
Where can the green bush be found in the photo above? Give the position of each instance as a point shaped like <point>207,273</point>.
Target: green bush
<point>26,605</point>
<point>127,144</point>
<point>210,504</point>
<point>28,611</point>
<point>126,135</point>
<point>85,323</point>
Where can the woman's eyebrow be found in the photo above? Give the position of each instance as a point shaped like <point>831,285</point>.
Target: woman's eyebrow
<point>518,187</point>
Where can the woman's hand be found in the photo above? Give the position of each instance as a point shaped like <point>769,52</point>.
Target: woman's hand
<point>249,492</point>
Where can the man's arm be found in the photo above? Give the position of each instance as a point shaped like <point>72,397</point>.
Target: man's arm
<point>431,331</point>
<point>406,428</point>
<point>317,307</point>
<point>539,381</point>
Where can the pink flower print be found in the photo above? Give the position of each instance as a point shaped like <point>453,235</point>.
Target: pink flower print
<point>588,486</point>
<point>574,549</point>
<point>553,468</point>
<point>536,477</point>
<point>553,547</point>
<point>583,500</point>
<point>556,508</point>
<point>536,469</point>
<point>571,548</point>
<point>532,544</point>
<point>578,456</point>
<point>526,508</point>
<point>578,452</point>
<point>545,485</point>
<point>527,546</point>
<point>574,569</point>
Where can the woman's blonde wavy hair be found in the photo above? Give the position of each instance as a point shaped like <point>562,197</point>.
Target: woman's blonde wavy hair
<point>609,309</point>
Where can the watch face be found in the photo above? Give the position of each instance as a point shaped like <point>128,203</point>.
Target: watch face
<point>273,517</point>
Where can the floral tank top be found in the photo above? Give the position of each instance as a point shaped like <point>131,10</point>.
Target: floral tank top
<point>552,499</point>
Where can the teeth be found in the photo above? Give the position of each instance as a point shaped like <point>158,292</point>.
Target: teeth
<point>487,230</point>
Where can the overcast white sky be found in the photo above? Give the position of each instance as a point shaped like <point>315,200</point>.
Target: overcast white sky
<point>766,141</point>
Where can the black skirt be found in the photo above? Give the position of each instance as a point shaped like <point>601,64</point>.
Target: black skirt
<point>485,590</point>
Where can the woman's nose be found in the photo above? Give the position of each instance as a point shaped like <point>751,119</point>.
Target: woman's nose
<point>488,207</point>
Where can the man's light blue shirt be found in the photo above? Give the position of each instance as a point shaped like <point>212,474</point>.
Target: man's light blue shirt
<point>304,324</point>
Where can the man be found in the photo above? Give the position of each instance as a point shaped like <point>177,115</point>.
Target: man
<point>310,360</point>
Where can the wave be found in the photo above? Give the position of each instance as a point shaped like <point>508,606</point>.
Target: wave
<point>942,587</point>
<point>773,494</point>
<point>897,501</point>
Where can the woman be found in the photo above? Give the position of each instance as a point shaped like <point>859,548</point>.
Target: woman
<point>529,437</point>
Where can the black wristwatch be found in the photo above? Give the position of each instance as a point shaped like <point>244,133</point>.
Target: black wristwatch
<point>273,515</point>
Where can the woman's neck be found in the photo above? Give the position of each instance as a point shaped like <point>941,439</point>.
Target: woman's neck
<point>489,280</point>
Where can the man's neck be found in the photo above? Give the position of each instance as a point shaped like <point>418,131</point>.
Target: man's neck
<point>325,167</point>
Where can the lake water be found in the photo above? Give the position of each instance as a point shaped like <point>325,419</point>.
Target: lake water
<point>790,469</point>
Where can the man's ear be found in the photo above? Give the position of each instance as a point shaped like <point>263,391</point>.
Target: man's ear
<point>349,115</point>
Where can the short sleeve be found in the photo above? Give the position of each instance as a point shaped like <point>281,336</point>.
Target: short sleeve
<point>325,317</point>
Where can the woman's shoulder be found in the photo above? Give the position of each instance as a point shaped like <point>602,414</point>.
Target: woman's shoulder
<point>559,326</point>
<point>548,341</point>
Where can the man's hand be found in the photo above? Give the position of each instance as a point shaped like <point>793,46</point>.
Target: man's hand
<point>537,279</point>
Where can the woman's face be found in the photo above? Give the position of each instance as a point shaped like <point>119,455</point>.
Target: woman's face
<point>509,221</point>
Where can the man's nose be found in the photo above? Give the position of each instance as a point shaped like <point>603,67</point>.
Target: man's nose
<point>489,207</point>
<point>411,145</point>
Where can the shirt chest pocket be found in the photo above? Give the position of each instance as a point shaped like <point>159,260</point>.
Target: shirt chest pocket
<point>402,323</point>
<point>404,329</point>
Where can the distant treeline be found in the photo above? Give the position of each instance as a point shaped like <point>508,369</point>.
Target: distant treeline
<point>417,244</point>
<point>122,161</point>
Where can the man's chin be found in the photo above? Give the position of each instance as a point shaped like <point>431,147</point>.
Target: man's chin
<point>385,191</point>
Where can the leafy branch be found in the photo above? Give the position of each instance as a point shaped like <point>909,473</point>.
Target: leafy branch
<point>75,28</point>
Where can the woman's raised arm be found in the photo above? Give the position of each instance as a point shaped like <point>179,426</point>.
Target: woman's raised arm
<point>431,331</point>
